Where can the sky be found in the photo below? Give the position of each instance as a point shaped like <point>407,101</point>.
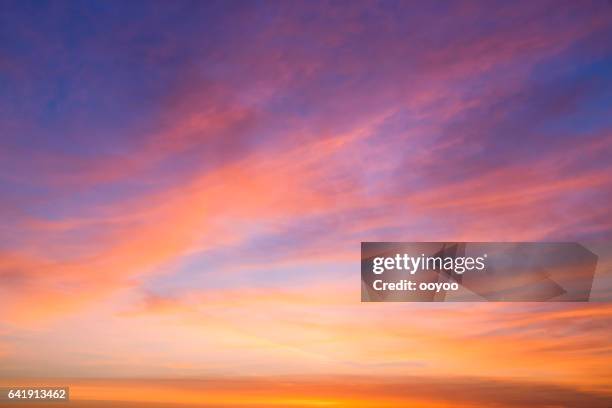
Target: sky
<point>184,187</point>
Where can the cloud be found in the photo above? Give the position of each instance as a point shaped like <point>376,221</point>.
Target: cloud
<point>212,169</point>
<point>343,391</point>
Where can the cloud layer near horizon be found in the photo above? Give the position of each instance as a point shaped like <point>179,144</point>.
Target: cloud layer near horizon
<point>326,391</point>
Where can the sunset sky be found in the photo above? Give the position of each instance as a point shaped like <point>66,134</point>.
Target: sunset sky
<point>184,187</point>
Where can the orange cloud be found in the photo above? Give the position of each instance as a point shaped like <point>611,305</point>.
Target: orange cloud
<point>324,391</point>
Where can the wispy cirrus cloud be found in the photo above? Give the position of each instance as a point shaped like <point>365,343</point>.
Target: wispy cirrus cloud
<point>211,168</point>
